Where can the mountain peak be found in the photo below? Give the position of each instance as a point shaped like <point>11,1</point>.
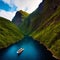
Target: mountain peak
<point>19,17</point>
<point>23,13</point>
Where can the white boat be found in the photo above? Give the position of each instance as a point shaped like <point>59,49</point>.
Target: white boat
<point>20,50</point>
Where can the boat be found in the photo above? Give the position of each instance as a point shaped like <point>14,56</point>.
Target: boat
<point>20,50</point>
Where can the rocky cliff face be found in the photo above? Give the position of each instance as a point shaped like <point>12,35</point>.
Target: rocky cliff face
<point>19,17</point>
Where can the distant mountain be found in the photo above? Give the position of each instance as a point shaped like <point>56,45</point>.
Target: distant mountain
<point>44,25</point>
<point>9,33</point>
<point>19,17</point>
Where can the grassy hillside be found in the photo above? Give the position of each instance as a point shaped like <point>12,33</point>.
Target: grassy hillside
<point>48,33</point>
<point>9,33</point>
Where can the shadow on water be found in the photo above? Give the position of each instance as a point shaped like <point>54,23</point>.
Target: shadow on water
<point>33,50</point>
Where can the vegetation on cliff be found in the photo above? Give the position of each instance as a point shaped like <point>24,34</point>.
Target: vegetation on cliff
<point>49,33</point>
<point>44,25</point>
<point>9,33</point>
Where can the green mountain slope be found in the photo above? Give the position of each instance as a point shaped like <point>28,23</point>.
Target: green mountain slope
<point>23,25</point>
<point>9,33</point>
<point>43,12</point>
<point>48,33</point>
<point>44,25</point>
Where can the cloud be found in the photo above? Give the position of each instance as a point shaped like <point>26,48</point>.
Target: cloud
<point>23,4</point>
<point>6,14</point>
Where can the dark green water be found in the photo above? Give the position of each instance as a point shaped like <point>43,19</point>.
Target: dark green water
<point>33,50</point>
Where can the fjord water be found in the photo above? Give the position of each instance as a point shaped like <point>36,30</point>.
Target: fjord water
<point>33,50</point>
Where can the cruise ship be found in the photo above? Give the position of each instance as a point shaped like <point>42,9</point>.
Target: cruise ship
<point>20,50</point>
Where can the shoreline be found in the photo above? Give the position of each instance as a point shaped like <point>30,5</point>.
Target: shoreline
<point>50,51</point>
<point>40,43</point>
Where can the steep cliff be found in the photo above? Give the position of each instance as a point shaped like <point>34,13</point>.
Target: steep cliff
<point>19,17</point>
<point>45,25</point>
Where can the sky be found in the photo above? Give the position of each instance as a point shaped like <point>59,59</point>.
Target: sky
<point>8,8</point>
